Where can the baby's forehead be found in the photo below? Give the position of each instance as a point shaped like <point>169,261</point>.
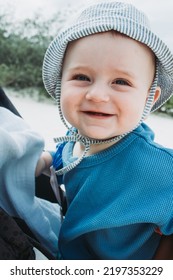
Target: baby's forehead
<point>102,36</point>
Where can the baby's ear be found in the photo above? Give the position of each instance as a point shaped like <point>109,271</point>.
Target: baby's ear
<point>157,94</point>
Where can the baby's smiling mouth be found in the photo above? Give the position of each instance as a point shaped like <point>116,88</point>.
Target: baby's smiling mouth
<point>97,114</point>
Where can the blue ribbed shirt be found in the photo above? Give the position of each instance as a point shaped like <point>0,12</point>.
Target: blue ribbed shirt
<point>117,198</point>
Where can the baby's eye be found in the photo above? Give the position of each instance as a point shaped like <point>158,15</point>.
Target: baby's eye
<point>80,77</point>
<point>121,82</point>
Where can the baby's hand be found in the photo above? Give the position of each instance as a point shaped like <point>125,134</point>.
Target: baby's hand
<point>43,164</point>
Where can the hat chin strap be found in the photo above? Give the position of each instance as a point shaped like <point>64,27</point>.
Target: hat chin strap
<point>87,142</point>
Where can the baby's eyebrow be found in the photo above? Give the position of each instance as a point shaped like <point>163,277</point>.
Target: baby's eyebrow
<point>78,68</point>
<point>125,73</point>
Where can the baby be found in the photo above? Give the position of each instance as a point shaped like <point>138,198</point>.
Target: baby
<point>107,71</point>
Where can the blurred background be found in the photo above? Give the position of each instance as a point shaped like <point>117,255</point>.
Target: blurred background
<point>28,26</point>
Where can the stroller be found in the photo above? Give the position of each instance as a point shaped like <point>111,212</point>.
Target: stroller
<point>17,241</point>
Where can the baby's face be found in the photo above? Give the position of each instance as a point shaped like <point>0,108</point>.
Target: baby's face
<point>106,80</point>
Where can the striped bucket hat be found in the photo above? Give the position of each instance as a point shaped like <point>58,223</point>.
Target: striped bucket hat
<point>102,17</point>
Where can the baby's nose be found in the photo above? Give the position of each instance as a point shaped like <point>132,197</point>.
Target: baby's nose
<point>98,94</point>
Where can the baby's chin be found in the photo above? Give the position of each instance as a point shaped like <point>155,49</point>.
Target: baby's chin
<point>102,133</point>
<point>98,137</point>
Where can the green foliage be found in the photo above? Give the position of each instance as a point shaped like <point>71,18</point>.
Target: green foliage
<point>22,51</point>
<point>167,107</point>
<point>21,62</point>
